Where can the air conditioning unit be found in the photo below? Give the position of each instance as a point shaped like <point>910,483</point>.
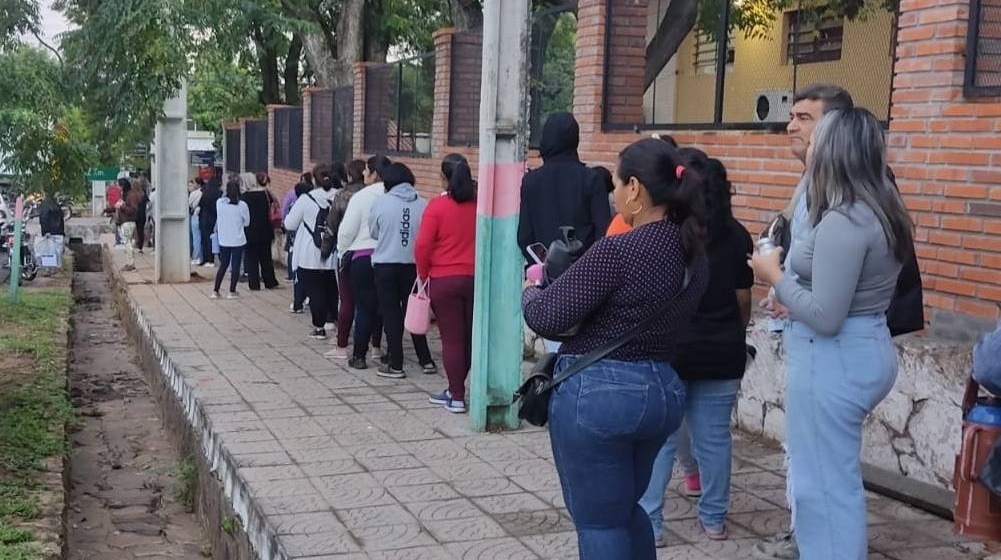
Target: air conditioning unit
<point>772,106</point>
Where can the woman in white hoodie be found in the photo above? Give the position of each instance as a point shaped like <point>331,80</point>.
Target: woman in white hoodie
<point>315,272</point>
<point>355,245</point>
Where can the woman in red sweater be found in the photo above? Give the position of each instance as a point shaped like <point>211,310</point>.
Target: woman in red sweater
<point>446,255</point>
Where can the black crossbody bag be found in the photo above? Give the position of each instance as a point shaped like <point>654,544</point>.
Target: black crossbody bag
<point>535,392</point>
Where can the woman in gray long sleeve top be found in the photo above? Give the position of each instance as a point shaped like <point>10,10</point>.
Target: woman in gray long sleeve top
<point>840,361</point>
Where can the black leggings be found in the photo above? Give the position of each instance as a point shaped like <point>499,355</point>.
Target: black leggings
<point>367,318</point>
<point>206,225</point>
<point>317,283</point>
<point>394,283</point>
<point>230,257</point>
<point>260,265</point>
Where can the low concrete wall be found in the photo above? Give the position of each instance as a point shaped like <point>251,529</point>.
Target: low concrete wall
<point>915,432</point>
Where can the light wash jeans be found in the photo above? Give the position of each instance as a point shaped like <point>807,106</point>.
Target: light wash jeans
<point>606,425</point>
<point>196,239</point>
<point>707,414</point>
<point>551,346</point>
<point>684,454</point>
<point>833,383</point>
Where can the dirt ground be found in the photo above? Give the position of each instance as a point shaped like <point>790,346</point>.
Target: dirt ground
<point>127,481</point>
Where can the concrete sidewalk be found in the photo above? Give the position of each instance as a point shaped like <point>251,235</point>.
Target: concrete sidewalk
<point>323,462</point>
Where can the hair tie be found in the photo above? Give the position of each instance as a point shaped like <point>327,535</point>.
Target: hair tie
<point>678,171</point>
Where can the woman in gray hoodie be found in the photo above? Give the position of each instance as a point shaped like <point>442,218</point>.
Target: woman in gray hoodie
<point>393,222</point>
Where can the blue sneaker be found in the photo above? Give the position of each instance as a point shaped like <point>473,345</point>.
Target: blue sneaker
<point>456,407</point>
<point>442,398</point>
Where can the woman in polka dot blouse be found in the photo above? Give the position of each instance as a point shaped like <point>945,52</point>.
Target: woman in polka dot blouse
<point>608,422</point>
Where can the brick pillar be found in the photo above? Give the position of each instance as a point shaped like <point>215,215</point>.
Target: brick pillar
<point>626,52</point>
<point>307,129</point>
<point>442,90</point>
<point>271,136</point>
<point>358,131</point>
<point>589,69</point>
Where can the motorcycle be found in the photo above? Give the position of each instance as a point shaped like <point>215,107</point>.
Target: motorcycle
<point>29,268</point>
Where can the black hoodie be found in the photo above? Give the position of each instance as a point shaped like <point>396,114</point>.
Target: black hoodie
<point>563,192</point>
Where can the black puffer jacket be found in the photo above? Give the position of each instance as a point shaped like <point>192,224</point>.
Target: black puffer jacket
<point>563,192</point>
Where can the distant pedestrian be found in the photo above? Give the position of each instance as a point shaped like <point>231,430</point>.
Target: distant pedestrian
<point>446,258</point>
<point>298,288</point>
<point>259,263</point>
<point>207,220</point>
<point>195,187</point>
<point>233,217</point>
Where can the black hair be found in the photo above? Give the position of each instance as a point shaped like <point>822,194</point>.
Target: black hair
<point>716,188</point>
<point>125,184</point>
<point>654,163</point>
<point>396,174</point>
<point>377,163</point>
<point>339,174</point>
<point>199,181</point>
<point>302,188</point>
<point>461,186</point>
<point>834,97</point>
<point>356,171</point>
<point>233,191</point>
<point>323,175</point>
<point>307,178</point>
<point>606,177</point>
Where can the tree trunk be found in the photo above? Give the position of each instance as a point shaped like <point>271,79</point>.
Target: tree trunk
<point>292,71</point>
<point>267,61</point>
<point>677,23</point>
<point>466,14</point>
<point>542,32</point>
<point>321,60</point>
<point>375,44</point>
<point>350,40</point>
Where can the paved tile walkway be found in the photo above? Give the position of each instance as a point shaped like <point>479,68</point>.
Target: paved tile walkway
<point>343,465</point>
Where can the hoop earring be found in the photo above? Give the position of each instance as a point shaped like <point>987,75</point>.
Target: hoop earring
<point>637,211</point>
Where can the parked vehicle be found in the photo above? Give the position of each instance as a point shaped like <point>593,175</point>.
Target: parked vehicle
<point>29,268</point>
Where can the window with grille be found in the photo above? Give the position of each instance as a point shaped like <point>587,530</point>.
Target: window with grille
<point>706,49</point>
<point>983,50</point>
<point>813,37</point>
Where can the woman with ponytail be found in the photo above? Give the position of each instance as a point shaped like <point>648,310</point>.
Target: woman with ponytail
<point>608,422</point>
<point>446,255</point>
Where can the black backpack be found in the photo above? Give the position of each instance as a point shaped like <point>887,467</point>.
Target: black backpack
<point>50,218</point>
<point>320,225</point>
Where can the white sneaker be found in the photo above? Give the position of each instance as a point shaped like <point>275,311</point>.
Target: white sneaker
<point>232,295</point>
<point>195,262</point>
<point>209,265</point>
<point>214,295</point>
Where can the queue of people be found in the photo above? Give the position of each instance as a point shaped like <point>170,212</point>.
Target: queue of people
<point>653,243</point>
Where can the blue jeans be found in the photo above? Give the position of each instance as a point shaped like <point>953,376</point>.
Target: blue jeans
<point>684,453</point>
<point>196,239</point>
<point>606,425</point>
<point>707,415</point>
<point>832,385</point>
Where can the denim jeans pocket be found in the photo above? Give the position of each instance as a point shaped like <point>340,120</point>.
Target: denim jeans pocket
<point>610,408</point>
<point>869,365</point>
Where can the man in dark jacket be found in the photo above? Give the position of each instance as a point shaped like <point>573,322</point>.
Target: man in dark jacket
<point>563,192</point>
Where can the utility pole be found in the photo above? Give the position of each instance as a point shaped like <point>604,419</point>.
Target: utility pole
<point>170,176</point>
<point>497,321</point>
<point>15,250</point>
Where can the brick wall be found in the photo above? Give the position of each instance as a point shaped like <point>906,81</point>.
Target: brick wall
<point>945,152</point>
<point>941,148</point>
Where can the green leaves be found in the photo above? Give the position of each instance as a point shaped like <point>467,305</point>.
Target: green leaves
<point>46,137</point>
<point>222,89</point>
<point>17,17</point>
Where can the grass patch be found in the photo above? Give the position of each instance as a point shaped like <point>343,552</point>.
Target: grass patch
<point>187,484</point>
<point>33,407</point>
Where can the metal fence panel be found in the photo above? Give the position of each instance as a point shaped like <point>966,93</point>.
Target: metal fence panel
<point>256,145</point>
<point>233,138</point>
<point>343,130</point>
<point>983,49</point>
<point>753,85</point>
<point>399,106</point>
<point>288,138</point>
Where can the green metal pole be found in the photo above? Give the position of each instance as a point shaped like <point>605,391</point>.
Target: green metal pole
<point>15,251</point>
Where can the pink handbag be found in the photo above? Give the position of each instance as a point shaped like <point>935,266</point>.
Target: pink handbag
<point>418,317</point>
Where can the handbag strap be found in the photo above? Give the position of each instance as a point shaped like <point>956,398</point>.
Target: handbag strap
<point>609,347</point>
